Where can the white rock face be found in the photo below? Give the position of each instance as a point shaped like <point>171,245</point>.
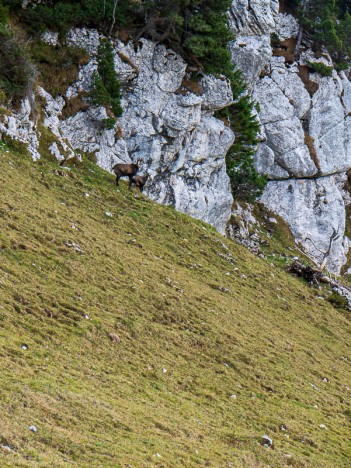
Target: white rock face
<point>171,129</point>
<point>164,124</point>
<point>252,21</point>
<point>286,26</point>
<point>308,135</point>
<point>21,126</point>
<point>314,209</point>
<point>305,135</point>
<point>250,54</point>
<point>254,17</point>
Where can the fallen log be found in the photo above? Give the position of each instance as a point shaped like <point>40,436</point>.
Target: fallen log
<point>312,275</point>
<point>316,276</point>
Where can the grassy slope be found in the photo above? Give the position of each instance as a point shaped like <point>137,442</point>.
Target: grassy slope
<point>152,276</point>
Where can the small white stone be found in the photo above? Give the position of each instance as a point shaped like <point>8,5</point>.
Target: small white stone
<point>32,428</point>
<point>267,441</point>
<point>164,370</point>
<point>323,426</point>
<point>49,37</point>
<point>107,213</point>
<point>233,397</point>
<point>6,448</point>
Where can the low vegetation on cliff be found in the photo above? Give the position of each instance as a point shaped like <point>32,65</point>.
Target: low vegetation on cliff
<point>17,73</point>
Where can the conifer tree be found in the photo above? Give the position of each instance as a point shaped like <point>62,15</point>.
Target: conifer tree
<point>329,24</point>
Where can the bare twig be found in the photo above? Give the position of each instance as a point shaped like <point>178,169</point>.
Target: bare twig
<point>333,237</point>
<point>113,16</point>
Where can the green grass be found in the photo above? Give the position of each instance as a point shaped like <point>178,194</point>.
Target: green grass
<point>197,321</point>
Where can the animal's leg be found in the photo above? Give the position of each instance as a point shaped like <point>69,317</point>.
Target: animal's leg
<point>117,179</point>
<point>130,182</point>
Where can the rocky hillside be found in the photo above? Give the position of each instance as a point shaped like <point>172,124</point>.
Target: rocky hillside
<point>305,119</point>
<point>168,122</point>
<point>169,127</point>
<point>132,335</point>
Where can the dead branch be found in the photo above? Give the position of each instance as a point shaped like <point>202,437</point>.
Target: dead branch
<point>113,16</point>
<point>333,237</point>
<point>300,36</point>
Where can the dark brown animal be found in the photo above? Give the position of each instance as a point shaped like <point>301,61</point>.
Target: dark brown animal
<point>140,181</point>
<point>126,170</point>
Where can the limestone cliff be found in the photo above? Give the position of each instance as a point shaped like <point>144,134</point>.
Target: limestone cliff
<point>306,134</point>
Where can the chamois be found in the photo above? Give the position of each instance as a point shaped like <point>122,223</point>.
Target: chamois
<point>140,181</point>
<point>126,170</point>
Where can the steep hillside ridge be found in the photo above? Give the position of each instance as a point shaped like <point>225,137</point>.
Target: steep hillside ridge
<point>132,335</point>
<point>306,127</point>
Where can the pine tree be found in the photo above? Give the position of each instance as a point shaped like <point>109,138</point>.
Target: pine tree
<point>247,184</point>
<point>105,87</point>
<point>329,24</point>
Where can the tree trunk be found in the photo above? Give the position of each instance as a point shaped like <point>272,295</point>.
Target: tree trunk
<point>296,52</point>
<point>113,16</point>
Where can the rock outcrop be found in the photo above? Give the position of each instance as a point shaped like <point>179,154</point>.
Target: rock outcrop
<point>167,122</point>
<point>305,144</point>
<point>21,126</point>
<point>170,128</point>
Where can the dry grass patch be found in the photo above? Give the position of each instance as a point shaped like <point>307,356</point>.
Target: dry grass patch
<point>311,86</point>
<point>58,66</point>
